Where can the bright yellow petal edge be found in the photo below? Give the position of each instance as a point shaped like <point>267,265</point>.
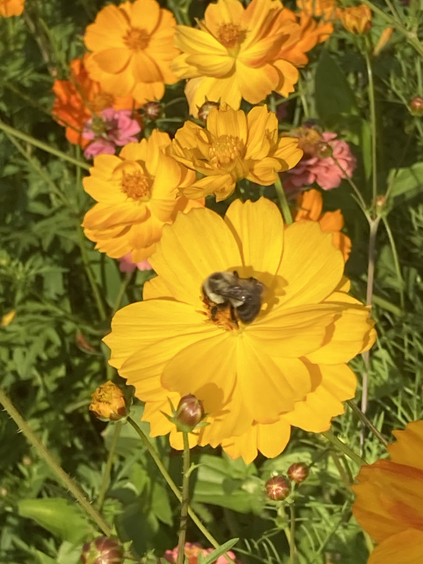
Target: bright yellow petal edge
<point>287,367</point>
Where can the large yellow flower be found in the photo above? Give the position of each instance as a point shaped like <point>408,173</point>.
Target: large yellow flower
<point>389,504</point>
<point>11,8</point>
<point>233,146</point>
<point>137,193</point>
<point>132,46</point>
<point>287,367</point>
<point>235,54</point>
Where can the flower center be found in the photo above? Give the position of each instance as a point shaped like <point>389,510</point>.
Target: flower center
<point>135,185</point>
<point>136,39</point>
<point>220,316</point>
<point>230,34</point>
<point>224,150</point>
<point>101,101</point>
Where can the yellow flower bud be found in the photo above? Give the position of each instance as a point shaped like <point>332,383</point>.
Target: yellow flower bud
<point>108,403</point>
<point>357,19</point>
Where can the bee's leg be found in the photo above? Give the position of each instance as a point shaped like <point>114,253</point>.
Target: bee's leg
<point>234,317</point>
<point>213,312</point>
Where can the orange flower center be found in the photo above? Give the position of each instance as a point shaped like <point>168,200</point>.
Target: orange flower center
<point>230,34</point>
<point>101,101</point>
<point>136,39</point>
<point>224,150</point>
<point>222,317</point>
<point>136,185</point>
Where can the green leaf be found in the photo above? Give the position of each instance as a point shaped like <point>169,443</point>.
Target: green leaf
<point>223,549</point>
<point>58,516</point>
<point>406,184</point>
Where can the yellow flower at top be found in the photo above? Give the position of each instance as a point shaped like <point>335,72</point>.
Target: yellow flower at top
<point>10,8</point>
<point>132,46</point>
<point>233,146</point>
<point>284,365</point>
<point>357,19</point>
<point>389,500</point>
<point>328,10</point>
<point>137,194</point>
<point>235,54</point>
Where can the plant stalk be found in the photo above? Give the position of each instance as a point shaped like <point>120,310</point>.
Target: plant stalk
<point>106,476</point>
<point>185,501</point>
<point>343,447</point>
<point>283,202</point>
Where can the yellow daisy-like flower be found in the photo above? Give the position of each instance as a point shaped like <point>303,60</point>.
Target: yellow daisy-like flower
<point>287,367</point>
<point>233,146</point>
<point>235,54</point>
<point>10,8</point>
<point>389,503</point>
<point>132,47</point>
<point>137,193</point>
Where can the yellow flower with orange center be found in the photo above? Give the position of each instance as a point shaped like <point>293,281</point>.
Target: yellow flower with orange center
<point>132,46</point>
<point>389,500</point>
<point>357,19</point>
<point>310,206</point>
<point>235,54</point>
<point>286,366</point>
<point>137,194</point>
<point>10,8</point>
<point>233,146</point>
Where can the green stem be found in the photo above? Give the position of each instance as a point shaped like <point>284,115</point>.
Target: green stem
<point>54,465</point>
<point>339,467</point>
<point>343,447</point>
<point>396,261</point>
<point>122,289</point>
<point>185,501</point>
<point>353,186</point>
<point>32,141</point>
<point>292,534</point>
<point>90,275</point>
<point>106,476</point>
<point>155,456</point>
<point>283,202</point>
<point>373,125</point>
<point>367,422</point>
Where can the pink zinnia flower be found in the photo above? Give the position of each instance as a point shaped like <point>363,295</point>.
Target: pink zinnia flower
<point>113,128</point>
<point>323,171</point>
<point>126,264</point>
<point>192,550</point>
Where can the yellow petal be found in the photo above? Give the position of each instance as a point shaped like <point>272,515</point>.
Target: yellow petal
<point>227,121</point>
<point>156,288</point>
<point>403,548</point>
<point>211,64</point>
<point>256,84</point>
<point>97,35</point>
<point>231,420</point>
<point>193,41</point>
<point>113,60</point>
<point>148,91</point>
<point>407,449</point>
<point>144,68</point>
<point>145,15</point>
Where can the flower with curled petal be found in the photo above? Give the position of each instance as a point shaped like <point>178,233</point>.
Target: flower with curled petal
<point>287,367</point>
<point>10,8</point>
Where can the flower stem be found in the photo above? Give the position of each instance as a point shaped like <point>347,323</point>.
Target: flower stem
<point>106,476</point>
<point>367,422</point>
<point>54,465</point>
<point>396,260</point>
<point>185,501</point>
<point>283,202</point>
<point>292,534</point>
<point>373,125</point>
<point>122,289</point>
<point>343,447</point>
<point>154,455</point>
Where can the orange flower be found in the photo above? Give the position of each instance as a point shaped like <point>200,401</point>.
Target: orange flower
<point>357,19</point>
<point>310,209</point>
<point>389,502</point>
<point>132,47</point>
<point>11,8</point>
<point>78,98</point>
<point>235,54</point>
<point>326,9</point>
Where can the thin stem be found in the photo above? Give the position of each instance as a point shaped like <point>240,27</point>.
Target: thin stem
<point>292,534</point>
<point>32,141</point>
<point>343,447</point>
<point>396,260</point>
<point>106,476</point>
<point>283,202</point>
<point>154,455</point>
<point>373,125</point>
<point>122,289</point>
<point>353,185</point>
<point>367,422</point>
<point>91,278</point>
<point>185,501</point>
<point>339,467</point>
<point>54,465</point>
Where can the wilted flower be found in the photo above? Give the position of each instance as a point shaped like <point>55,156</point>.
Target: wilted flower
<point>7,318</point>
<point>286,367</point>
<point>132,47</point>
<point>326,171</point>
<point>113,128</point>
<point>192,550</point>
<point>102,550</point>
<point>278,488</point>
<point>389,500</point>
<point>126,264</point>
<point>152,110</point>
<point>310,205</point>
<point>298,472</point>
<point>10,8</point>
<point>233,146</point>
<point>357,19</point>
<point>108,402</point>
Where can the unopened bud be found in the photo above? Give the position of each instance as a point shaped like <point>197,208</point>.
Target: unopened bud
<point>416,106</point>
<point>189,412</point>
<point>102,550</point>
<point>278,488</point>
<point>324,150</point>
<point>298,472</point>
<point>108,403</point>
<point>204,110</point>
<point>152,110</point>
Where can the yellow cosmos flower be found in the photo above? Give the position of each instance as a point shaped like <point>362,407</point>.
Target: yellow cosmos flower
<point>287,367</point>
<point>137,193</point>
<point>357,19</point>
<point>235,54</point>
<point>328,10</point>
<point>132,46</point>
<point>233,146</point>
<point>389,503</point>
<point>11,8</point>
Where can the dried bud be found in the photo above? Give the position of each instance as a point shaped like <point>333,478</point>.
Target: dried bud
<point>152,110</point>
<point>298,472</point>
<point>189,412</point>
<point>278,488</point>
<point>102,550</point>
<point>204,110</point>
<point>108,403</point>
<point>324,150</point>
<point>416,106</point>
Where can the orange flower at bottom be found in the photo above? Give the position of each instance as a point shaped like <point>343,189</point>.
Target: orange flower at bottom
<point>11,8</point>
<point>389,503</point>
<point>310,209</point>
